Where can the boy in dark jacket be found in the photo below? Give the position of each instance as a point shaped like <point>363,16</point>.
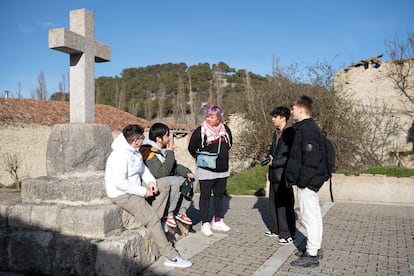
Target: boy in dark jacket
<point>159,157</point>
<point>281,198</point>
<point>304,170</point>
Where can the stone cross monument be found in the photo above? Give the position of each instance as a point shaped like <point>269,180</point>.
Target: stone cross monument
<point>84,51</point>
<point>81,145</point>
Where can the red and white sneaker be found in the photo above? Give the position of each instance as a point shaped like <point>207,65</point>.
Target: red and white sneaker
<point>184,219</point>
<point>170,221</point>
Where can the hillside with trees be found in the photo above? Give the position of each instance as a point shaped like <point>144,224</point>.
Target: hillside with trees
<point>177,90</point>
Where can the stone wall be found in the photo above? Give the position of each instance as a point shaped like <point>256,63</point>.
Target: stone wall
<point>378,189</point>
<point>30,143</point>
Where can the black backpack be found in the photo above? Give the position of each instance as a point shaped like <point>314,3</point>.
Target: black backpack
<point>329,163</point>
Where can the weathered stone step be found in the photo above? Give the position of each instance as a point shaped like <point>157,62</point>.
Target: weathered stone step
<point>72,189</point>
<point>90,221</point>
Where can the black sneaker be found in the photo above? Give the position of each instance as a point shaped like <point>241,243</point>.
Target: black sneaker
<point>306,261</point>
<point>286,241</point>
<point>300,253</point>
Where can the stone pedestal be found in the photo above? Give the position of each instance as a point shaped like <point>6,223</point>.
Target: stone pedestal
<point>65,224</point>
<point>77,148</point>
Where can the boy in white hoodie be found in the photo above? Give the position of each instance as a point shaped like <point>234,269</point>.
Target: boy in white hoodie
<point>123,173</point>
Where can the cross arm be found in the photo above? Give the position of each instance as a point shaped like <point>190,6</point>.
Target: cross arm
<point>66,41</point>
<point>102,53</point>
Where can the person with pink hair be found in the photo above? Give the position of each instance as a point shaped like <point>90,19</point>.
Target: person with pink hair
<point>214,138</point>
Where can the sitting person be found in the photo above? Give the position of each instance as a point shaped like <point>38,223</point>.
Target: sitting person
<point>158,154</point>
<point>124,187</point>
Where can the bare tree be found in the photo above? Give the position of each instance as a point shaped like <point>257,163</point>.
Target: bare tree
<point>133,106</point>
<point>375,143</point>
<point>218,83</point>
<point>12,163</point>
<point>62,88</point>
<point>41,91</point>
<point>98,94</point>
<point>122,96</point>
<point>161,100</point>
<point>148,105</point>
<point>180,103</point>
<point>116,94</point>
<point>402,67</point>
<point>19,90</point>
<point>210,93</point>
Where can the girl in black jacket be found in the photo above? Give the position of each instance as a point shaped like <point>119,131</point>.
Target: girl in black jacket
<point>214,137</point>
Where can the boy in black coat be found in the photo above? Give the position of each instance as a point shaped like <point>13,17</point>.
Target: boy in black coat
<point>281,198</point>
<point>305,171</point>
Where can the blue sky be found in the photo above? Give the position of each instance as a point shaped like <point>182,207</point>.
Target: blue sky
<point>244,34</point>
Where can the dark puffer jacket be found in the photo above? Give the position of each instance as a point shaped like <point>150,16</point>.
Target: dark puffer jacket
<point>280,152</point>
<point>304,167</point>
<point>222,163</point>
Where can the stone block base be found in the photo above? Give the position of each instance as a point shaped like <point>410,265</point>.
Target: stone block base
<point>49,253</point>
<point>91,221</point>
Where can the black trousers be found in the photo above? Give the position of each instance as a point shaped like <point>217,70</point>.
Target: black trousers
<point>218,186</point>
<point>281,210</point>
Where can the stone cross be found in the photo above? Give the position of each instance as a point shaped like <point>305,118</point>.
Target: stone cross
<point>84,51</point>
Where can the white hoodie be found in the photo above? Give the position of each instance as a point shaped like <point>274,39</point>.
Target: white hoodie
<point>125,169</point>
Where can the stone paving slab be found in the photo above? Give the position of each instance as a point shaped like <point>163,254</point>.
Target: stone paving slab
<point>359,239</point>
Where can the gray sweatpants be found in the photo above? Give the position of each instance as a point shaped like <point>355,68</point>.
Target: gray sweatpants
<point>149,216</point>
<point>175,182</point>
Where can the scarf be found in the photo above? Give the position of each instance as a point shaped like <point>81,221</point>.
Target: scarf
<point>213,133</point>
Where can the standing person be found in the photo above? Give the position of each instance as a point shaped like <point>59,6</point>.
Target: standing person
<point>159,157</point>
<point>123,185</point>
<point>212,136</point>
<point>305,171</point>
<point>281,198</point>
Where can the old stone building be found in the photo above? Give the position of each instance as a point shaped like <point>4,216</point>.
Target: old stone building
<point>370,83</point>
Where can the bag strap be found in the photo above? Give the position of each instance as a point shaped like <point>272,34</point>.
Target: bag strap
<point>219,146</point>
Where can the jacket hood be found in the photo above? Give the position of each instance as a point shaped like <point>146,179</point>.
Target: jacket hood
<point>121,143</point>
<point>148,142</point>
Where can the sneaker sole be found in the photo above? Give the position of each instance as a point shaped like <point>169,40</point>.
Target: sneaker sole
<point>305,265</point>
<point>176,265</point>
<point>205,235</point>
<point>220,230</point>
<point>283,243</point>
<point>185,222</point>
<point>171,225</point>
<point>300,254</point>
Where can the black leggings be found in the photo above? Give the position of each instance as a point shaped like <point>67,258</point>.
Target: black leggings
<point>218,186</point>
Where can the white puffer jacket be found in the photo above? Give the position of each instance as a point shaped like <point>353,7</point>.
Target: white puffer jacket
<point>125,169</point>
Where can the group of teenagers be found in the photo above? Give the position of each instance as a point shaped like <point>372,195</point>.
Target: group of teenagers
<point>143,177</point>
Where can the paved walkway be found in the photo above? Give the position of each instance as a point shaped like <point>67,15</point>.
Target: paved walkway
<point>359,239</point>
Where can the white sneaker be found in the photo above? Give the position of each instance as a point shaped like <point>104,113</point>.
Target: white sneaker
<point>206,229</point>
<point>220,226</point>
<point>178,261</point>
